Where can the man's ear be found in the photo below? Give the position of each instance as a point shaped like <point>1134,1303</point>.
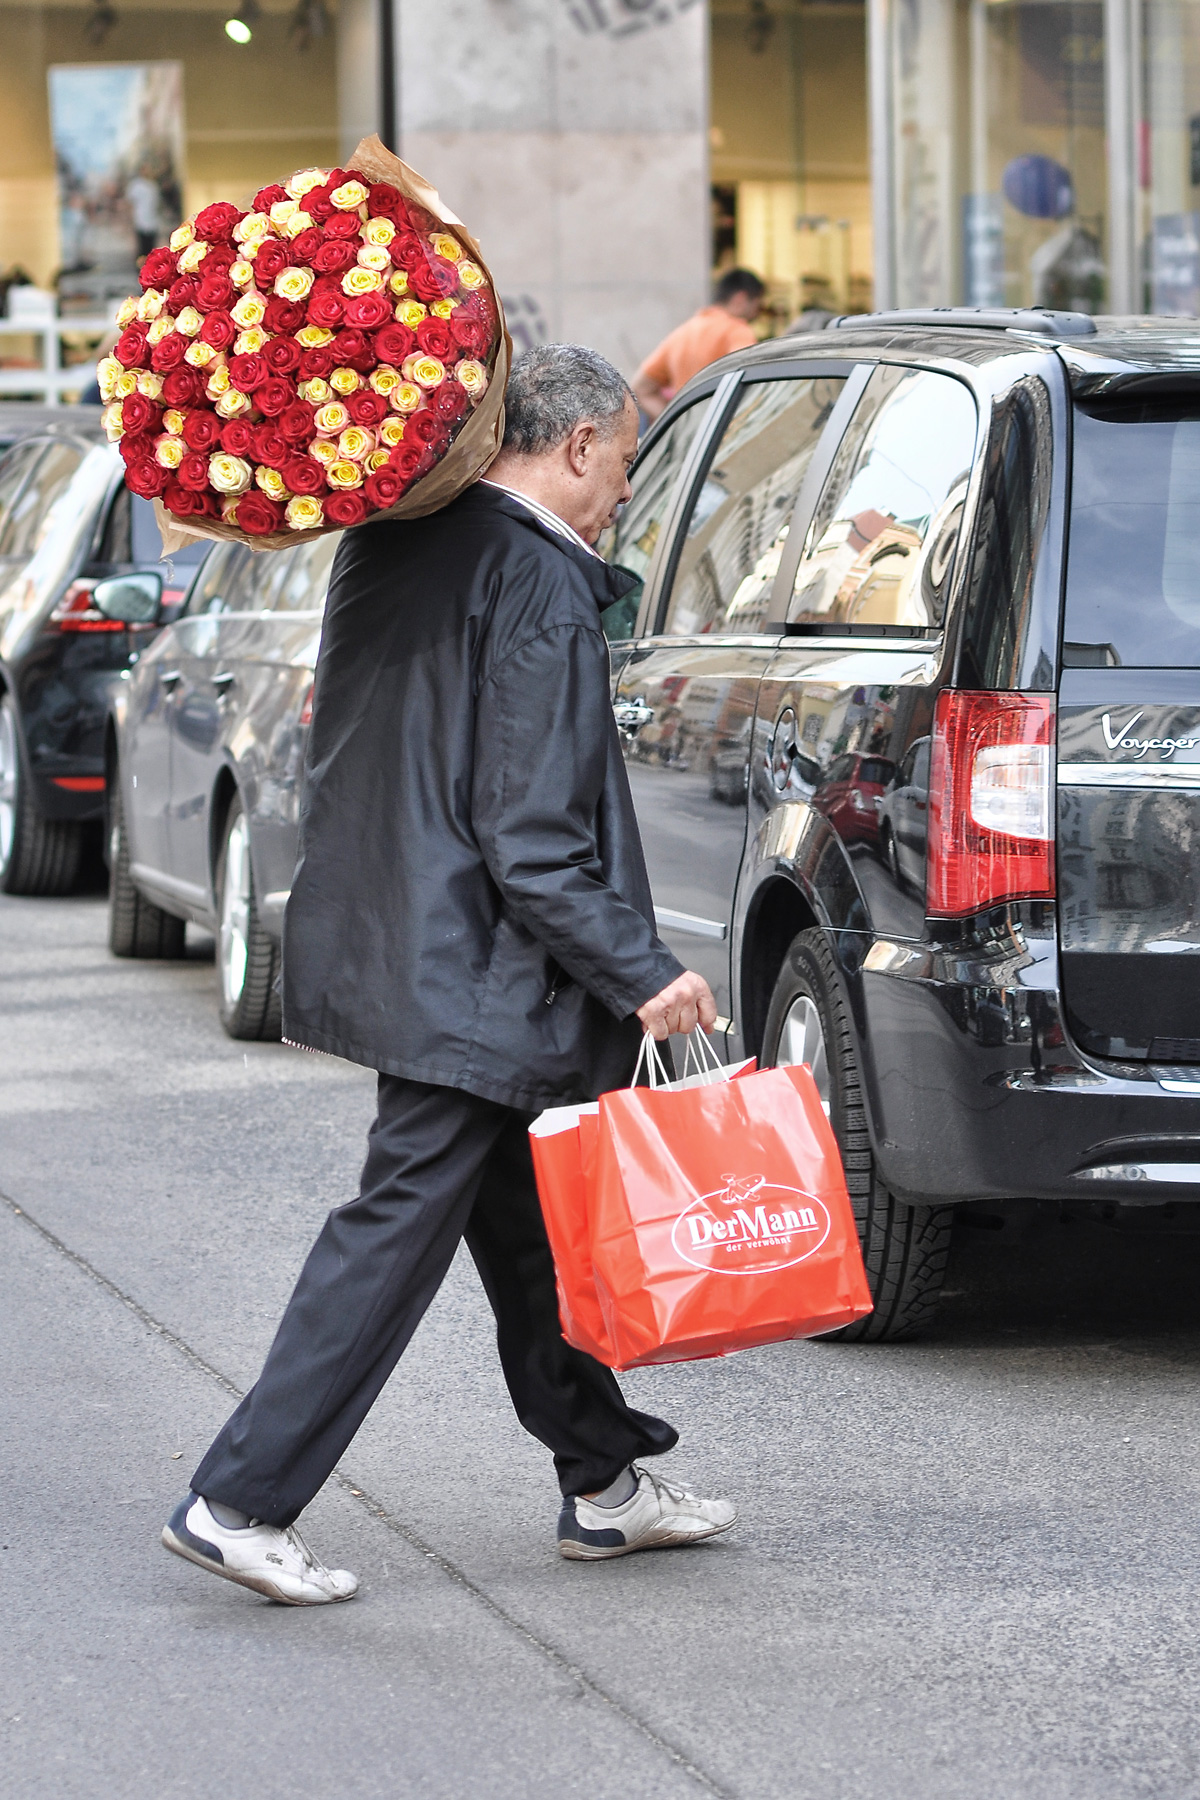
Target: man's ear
<point>579,445</point>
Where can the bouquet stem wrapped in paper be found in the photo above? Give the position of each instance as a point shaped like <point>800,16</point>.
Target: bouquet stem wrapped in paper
<point>333,355</point>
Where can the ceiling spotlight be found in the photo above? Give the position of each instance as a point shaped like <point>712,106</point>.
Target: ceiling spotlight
<point>241,26</point>
<point>100,22</point>
<point>308,22</point>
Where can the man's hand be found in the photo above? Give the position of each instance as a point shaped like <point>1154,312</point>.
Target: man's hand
<point>688,1002</point>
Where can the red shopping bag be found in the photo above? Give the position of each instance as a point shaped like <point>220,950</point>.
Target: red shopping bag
<point>563,1142</point>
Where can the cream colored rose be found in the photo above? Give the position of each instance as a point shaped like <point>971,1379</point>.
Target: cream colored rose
<point>218,382</point>
<point>331,418</point>
<point>312,337</point>
<point>168,451</point>
<point>316,391</point>
<point>345,381</point>
<point>356,443</point>
<point>254,225</point>
<point>406,398</point>
<point>373,256</point>
<point>233,404</point>
<point>344,474</point>
<point>189,322</point>
<point>173,421</point>
<point>411,312</point>
<point>182,235</point>
<point>249,310</point>
<point>127,312</point>
<point>441,309</point>
<point>361,281</point>
<point>304,513</point>
<point>426,371</point>
<point>151,303</point>
<point>241,274</point>
<point>350,196</point>
<point>384,379</point>
<point>228,474</point>
<point>281,212</point>
<point>447,246</point>
<point>229,510</point>
<point>291,284</point>
<point>304,180</point>
<point>471,276</point>
<point>391,432</point>
<point>108,372</point>
<point>398,283</point>
<point>323,451</point>
<point>200,355</point>
<point>191,258</point>
<point>149,384</point>
<point>272,484</point>
<point>474,378</point>
<point>378,231</point>
<point>162,327</point>
<point>378,458</point>
<point>114,429</point>
<point>127,384</point>
<point>248,342</point>
<point>299,221</point>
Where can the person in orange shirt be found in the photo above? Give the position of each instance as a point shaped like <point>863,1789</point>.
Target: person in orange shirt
<point>711,333</point>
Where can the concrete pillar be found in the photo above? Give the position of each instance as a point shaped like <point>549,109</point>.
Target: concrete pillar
<point>572,136</point>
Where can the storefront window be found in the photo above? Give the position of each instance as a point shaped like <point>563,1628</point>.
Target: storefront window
<point>1169,164</point>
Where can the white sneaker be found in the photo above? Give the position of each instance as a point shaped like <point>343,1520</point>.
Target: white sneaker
<point>276,1563</point>
<point>656,1515</point>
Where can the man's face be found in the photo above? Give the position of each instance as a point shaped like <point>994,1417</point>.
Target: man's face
<point>744,306</point>
<point>601,465</point>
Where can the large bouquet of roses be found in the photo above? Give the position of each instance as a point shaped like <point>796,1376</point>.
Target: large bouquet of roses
<point>332,354</point>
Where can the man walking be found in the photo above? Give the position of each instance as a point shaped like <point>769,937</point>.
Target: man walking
<point>471,917</point>
<point>713,332</point>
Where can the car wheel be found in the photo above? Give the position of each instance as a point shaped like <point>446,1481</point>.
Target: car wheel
<point>37,856</point>
<point>136,927</point>
<point>904,1247</point>
<point>247,958</point>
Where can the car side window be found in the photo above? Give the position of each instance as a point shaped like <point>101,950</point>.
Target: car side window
<point>880,550</point>
<point>225,582</point>
<point>631,542</point>
<point>30,519</point>
<point>739,520</point>
<point>13,470</point>
<point>306,578</point>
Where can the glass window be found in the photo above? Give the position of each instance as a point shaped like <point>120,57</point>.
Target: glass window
<point>32,513</point>
<point>306,576</point>
<point>225,583</point>
<point>13,470</point>
<point>881,548</point>
<point>739,520</point>
<point>1133,567</point>
<point>633,539</point>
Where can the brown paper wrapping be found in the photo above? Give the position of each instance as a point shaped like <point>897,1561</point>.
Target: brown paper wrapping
<point>472,450</point>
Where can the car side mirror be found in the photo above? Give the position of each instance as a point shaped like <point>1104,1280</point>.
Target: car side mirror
<point>130,599</point>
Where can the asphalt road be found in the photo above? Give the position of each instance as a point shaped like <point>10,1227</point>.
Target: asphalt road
<point>965,1566</point>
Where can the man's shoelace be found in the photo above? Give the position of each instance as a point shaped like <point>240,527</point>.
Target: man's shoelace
<point>662,1486</point>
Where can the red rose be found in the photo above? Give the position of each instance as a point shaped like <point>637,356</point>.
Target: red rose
<point>449,401</point>
<point>182,387</point>
<point>367,408</point>
<point>353,347</point>
<point>131,346</point>
<point>237,435</point>
<point>158,268</point>
<point>424,427</point>
<point>177,500</point>
<point>479,306</point>
<point>146,478</point>
<point>303,475</point>
<point>470,334</point>
<point>192,472</point>
<point>221,258</point>
<point>169,352</point>
<point>435,338</point>
<point>281,355</point>
<point>269,446</point>
<point>304,246</point>
<point>274,396</point>
<point>408,251</point>
<point>258,515</point>
<point>201,430</point>
<point>435,281</point>
<point>365,311</point>
<point>345,508</point>
<point>420,220</point>
<point>406,459</point>
<point>317,203</point>
<point>247,372</point>
<point>271,261</point>
<point>326,310</point>
<point>394,343</point>
<point>215,291</point>
<point>316,364</point>
<point>284,315</point>
<point>182,293</point>
<point>138,414</point>
<point>383,201</point>
<point>215,223</point>
<point>333,255</point>
<point>218,331</point>
<point>343,225</point>
<point>384,487</point>
<point>268,197</point>
<point>133,450</point>
<point>296,423</point>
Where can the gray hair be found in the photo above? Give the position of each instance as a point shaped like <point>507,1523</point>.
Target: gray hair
<point>554,387</point>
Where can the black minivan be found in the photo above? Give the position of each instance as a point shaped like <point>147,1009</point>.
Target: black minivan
<point>957,555</point>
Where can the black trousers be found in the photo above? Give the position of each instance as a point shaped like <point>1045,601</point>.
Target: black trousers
<point>441,1165</point>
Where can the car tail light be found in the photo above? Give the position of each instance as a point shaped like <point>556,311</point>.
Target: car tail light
<point>75,611</point>
<point>991,802</point>
<point>306,709</point>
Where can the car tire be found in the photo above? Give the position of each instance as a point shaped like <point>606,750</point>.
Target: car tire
<point>136,926</point>
<point>247,958</point>
<point>904,1247</point>
<point>37,856</point>
<point>891,860</point>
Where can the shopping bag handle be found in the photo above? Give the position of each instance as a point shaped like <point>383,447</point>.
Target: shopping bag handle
<point>651,1057</point>
<point>658,1075</point>
<point>707,1064</point>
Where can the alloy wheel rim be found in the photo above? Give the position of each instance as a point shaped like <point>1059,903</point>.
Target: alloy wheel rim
<point>235,912</point>
<point>8,782</point>
<point>802,1040</point>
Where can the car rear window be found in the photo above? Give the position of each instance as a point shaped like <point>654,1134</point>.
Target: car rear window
<point>1133,565</point>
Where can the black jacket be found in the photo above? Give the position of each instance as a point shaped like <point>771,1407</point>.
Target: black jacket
<point>470,906</point>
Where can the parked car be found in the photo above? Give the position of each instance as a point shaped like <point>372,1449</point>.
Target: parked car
<point>69,529</point>
<point>205,751</point>
<point>960,545</point>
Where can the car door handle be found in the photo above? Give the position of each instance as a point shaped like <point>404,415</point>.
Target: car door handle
<point>224,681</point>
<point>170,678</point>
<point>631,715</point>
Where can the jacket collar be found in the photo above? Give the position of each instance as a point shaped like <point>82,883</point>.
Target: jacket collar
<point>607,582</point>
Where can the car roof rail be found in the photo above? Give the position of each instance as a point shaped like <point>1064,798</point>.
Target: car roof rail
<point>1039,319</point>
